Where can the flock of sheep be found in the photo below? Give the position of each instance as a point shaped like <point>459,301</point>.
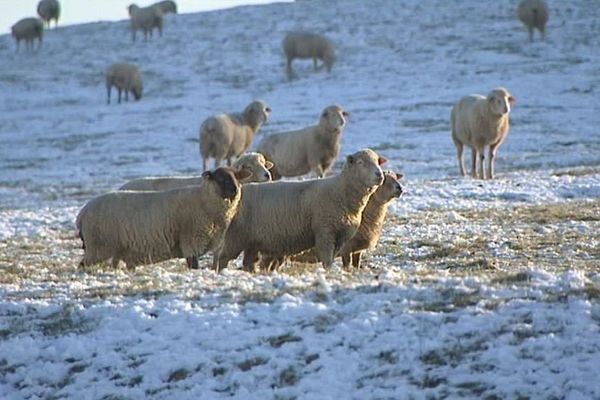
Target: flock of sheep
<point>244,207</point>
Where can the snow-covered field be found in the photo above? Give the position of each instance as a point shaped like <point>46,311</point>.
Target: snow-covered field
<point>478,289</point>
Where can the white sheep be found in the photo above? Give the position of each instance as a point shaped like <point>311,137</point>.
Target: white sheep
<point>534,15</point>
<point>308,45</point>
<point>369,231</point>
<point>141,227</point>
<point>49,10</point>
<point>145,19</point>
<point>28,29</point>
<point>125,77</point>
<point>479,121</point>
<point>166,6</point>
<point>254,163</point>
<point>224,136</point>
<point>285,218</point>
<point>314,148</point>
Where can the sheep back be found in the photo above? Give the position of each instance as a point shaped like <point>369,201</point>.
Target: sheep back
<point>167,6</point>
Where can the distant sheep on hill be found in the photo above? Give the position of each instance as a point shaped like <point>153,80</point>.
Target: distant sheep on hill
<point>314,148</point>
<point>125,77</point>
<point>145,19</point>
<point>308,45</point>
<point>479,121</point>
<point>534,15</point>
<point>49,10</point>
<point>28,29</point>
<point>166,6</point>
<point>224,136</point>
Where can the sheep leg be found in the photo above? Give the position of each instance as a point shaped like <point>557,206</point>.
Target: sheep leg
<point>346,259</point>
<point>325,248</point>
<point>119,91</point>
<point>461,158</point>
<point>229,161</point>
<point>192,262</point>
<point>315,64</point>
<point>356,259</point>
<point>481,163</point>
<point>290,72</point>
<point>249,260</point>
<point>530,28</point>
<point>18,45</point>
<point>492,160</point>
<point>473,162</point>
<point>108,90</point>
<point>218,162</point>
<point>204,162</point>
<point>127,95</point>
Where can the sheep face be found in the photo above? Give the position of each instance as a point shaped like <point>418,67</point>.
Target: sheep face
<point>257,165</point>
<point>258,110</point>
<point>131,8</point>
<point>390,188</point>
<point>334,118</point>
<point>365,165</point>
<point>225,181</point>
<point>500,101</point>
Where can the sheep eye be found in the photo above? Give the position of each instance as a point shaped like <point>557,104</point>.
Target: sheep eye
<point>344,113</point>
<point>360,162</point>
<point>267,110</point>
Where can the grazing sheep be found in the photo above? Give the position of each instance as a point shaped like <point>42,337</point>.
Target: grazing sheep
<point>308,45</point>
<point>286,218</point>
<point>125,77</point>
<point>149,227</point>
<point>28,29</point>
<point>479,121</point>
<point>145,19</point>
<point>166,6</point>
<point>369,231</point>
<point>314,148</point>
<point>49,10</point>
<point>229,135</point>
<point>534,15</point>
<point>254,163</point>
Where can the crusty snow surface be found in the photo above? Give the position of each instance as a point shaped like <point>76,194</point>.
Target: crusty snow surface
<point>395,330</point>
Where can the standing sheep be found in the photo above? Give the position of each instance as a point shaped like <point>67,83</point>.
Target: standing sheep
<point>166,6</point>
<point>149,227</point>
<point>534,15</point>
<point>145,19</point>
<point>369,231</point>
<point>254,163</point>
<point>49,10</point>
<point>286,218</point>
<point>314,148</point>
<point>28,29</point>
<point>229,135</point>
<point>125,77</point>
<point>308,45</point>
<point>479,121</point>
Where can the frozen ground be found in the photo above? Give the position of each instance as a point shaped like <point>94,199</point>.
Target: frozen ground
<point>478,289</point>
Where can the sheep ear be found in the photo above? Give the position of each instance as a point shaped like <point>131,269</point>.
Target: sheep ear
<point>381,160</point>
<point>242,174</point>
<point>207,175</point>
<point>399,176</point>
<point>268,164</point>
<point>350,159</point>
<point>512,100</point>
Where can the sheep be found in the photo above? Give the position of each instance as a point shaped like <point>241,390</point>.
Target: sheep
<point>28,29</point>
<point>229,135</point>
<point>254,163</point>
<point>49,10</point>
<point>314,148</point>
<point>125,77</point>
<point>145,19</point>
<point>308,45</point>
<point>148,227</point>
<point>286,218</point>
<point>534,15</point>
<point>166,6</point>
<point>369,231</point>
<point>479,121</point>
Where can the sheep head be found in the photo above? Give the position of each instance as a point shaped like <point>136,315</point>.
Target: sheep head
<point>500,101</point>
